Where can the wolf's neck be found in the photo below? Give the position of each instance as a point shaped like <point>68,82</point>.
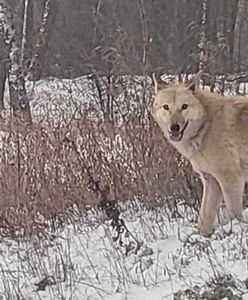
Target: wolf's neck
<point>196,140</point>
<point>192,145</point>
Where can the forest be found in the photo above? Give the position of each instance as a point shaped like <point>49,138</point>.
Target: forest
<point>67,39</point>
<point>77,37</point>
<point>95,203</point>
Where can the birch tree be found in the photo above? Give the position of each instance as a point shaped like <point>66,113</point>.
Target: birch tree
<point>241,13</point>
<point>42,36</point>
<point>3,59</point>
<point>18,97</point>
<point>203,39</point>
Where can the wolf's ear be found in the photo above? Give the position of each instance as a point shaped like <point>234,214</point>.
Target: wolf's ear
<point>194,81</point>
<point>158,83</point>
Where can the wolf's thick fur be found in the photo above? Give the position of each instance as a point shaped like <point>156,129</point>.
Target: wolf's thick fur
<point>212,133</point>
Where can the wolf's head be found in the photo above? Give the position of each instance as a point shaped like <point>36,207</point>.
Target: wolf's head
<point>177,110</point>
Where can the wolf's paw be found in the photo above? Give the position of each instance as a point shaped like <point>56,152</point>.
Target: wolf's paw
<point>223,231</point>
<point>197,239</point>
<point>206,229</point>
<point>222,218</point>
<point>188,232</point>
<point>244,216</point>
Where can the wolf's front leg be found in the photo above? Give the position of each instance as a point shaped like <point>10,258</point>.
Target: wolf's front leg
<point>232,186</point>
<point>212,196</point>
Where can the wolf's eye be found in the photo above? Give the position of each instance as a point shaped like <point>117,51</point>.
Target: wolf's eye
<point>166,107</point>
<point>184,106</point>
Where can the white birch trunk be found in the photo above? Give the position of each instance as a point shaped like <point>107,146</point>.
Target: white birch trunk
<point>3,57</point>
<point>241,12</point>
<point>18,98</point>
<point>202,43</point>
<point>24,30</point>
<point>41,41</point>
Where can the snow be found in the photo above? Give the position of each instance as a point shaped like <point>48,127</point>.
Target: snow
<point>57,101</point>
<point>81,260</point>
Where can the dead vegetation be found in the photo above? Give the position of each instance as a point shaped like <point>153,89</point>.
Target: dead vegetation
<point>117,154</point>
<point>45,171</point>
<point>222,287</point>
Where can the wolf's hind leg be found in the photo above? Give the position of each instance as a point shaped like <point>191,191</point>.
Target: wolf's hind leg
<point>211,198</point>
<point>233,188</point>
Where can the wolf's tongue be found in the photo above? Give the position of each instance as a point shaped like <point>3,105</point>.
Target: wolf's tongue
<point>176,137</point>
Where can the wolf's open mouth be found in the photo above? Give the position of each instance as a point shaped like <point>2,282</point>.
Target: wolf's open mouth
<point>177,136</point>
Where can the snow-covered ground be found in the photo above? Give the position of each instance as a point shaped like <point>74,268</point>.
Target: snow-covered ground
<point>83,261</point>
<point>58,101</point>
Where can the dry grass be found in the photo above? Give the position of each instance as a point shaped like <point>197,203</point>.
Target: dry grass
<point>43,172</point>
<point>114,150</point>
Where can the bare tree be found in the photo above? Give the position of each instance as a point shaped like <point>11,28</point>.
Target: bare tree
<point>42,36</point>
<point>203,39</point>
<point>3,58</point>
<point>18,97</point>
<point>241,13</point>
<point>145,33</point>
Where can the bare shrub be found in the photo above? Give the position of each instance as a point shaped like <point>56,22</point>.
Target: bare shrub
<point>44,171</point>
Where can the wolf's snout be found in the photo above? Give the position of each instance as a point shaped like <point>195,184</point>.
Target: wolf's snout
<point>175,128</point>
<point>176,131</point>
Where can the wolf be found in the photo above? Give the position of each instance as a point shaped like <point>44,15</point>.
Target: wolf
<point>211,131</point>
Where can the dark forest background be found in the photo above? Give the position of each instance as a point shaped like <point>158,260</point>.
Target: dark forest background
<point>135,36</point>
<point>66,39</point>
